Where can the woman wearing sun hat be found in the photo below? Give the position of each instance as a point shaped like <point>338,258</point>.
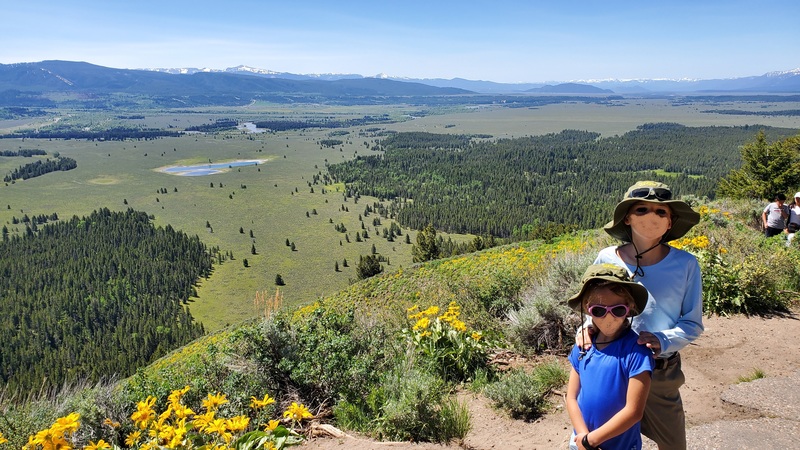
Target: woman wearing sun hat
<point>645,221</point>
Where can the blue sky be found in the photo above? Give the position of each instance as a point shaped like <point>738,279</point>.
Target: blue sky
<point>503,41</point>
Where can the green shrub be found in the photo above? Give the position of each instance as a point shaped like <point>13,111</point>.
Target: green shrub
<point>743,273</point>
<point>544,322</point>
<point>417,408</point>
<point>523,394</point>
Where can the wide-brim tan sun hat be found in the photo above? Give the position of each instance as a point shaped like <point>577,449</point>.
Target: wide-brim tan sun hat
<point>683,216</point>
<point>615,274</point>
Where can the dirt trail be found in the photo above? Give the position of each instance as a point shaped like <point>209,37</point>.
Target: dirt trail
<point>721,413</point>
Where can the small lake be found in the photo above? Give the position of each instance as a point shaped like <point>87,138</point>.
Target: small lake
<point>250,127</point>
<point>208,169</point>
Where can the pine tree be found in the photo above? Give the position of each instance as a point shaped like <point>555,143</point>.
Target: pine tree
<point>368,266</point>
<point>426,248</point>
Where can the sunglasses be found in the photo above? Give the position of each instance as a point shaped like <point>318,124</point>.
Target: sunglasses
<point>644,210</point>
<point>600,311</point>
<point>650,193</point>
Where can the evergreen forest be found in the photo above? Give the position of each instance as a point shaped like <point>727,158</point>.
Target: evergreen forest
<point>535,186</point>
<point>93,297</point>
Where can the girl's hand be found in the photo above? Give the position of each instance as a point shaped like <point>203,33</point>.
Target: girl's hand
<point>579,441</point>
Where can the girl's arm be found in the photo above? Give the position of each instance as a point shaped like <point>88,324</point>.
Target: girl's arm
<point>575,415</point>
<point>632,412</point>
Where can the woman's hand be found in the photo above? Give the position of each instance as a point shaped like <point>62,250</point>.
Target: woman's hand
<point>651,341</point>
<point>583,338</point>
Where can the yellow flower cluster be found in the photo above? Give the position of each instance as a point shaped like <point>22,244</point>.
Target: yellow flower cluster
<point>423,318</point>
<point>171,428</point>
<point>693,243</point>
<point>56,437</point>
<point>705,211</point>
<point>451,316</point>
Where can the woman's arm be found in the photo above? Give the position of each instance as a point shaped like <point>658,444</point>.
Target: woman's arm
<point>632,412</point>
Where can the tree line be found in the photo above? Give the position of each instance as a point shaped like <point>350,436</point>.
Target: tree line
<point>112,134</point>
<point>94,297</point>
<point>541,185</point>
<point>39,168</point>
<point>25,152</point>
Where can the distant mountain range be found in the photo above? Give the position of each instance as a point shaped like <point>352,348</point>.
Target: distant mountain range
<point>772,82</point>
<point>87,85</point>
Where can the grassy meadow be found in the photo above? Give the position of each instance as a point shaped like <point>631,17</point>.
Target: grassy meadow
<point>273,199</point>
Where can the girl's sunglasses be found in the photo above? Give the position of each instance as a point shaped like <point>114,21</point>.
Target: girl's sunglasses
<point>657,193</point>
<point>600,311</point>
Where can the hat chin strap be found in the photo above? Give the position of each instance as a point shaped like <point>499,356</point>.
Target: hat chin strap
<point>639,272</point>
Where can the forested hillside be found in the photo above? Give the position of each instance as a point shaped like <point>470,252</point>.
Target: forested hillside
<point>94,297</point>
<point>517,187</point>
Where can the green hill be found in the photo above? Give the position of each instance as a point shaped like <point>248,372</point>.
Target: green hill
<point>362,359</point>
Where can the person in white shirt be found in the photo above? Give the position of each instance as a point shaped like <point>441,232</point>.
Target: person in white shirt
<point>793,225</point>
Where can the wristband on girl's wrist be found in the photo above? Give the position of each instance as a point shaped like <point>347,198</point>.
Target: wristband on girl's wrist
<point>586,445</point>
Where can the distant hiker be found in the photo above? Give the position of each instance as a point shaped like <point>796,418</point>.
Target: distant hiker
<point>775,216</point>
<point>609,382</point>
<point>645,221</point>
<point>794,219</point>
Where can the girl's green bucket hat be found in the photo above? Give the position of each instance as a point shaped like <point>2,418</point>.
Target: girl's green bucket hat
<point>683,216</point>
<point>615,274</point>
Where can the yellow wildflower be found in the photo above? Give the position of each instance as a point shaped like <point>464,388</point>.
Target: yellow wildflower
<point>175,397</point>
<point>144,412</point>
<point>178,438</point>
<point>431,311</point>
<point>133,438</point>
<point>149,445</point>
<point>219,426</point>
<point>256,403</point>
<point>272,425</point>
<point>458,325</point>
<point>111,423</point>
<point>67,424</point>
<point>50,439</point>
<point>238,423</point>
<point>3,439</point>
<point>422,324</point>
<point>201,421</point>
<point>476,335</point>
<point>297,412</point>
<point>212,402</point>
<point>182,412</point>
<point>99,445</point>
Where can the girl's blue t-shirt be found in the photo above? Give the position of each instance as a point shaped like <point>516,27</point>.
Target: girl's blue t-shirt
<point>604,378</point>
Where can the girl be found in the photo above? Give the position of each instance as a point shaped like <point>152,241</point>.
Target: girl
<point>608,383</point>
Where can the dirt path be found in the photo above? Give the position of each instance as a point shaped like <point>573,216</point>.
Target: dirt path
<point>730,347</point>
